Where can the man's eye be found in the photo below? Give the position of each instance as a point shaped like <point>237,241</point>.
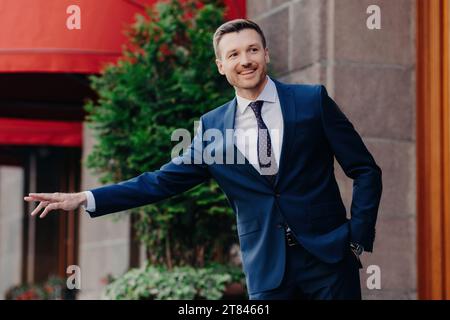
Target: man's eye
<point>233,55</point>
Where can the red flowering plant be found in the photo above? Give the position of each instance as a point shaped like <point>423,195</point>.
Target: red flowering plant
<point>53,289</point>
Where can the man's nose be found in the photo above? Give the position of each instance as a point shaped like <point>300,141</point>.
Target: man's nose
<point>245,61</point>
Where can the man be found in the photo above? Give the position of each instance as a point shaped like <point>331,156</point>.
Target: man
<point>295,238</point>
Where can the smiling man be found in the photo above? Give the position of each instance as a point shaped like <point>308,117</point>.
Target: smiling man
<point>295,238</point>
<point>242,56</point>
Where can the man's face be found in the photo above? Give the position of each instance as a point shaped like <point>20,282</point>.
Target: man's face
<point>242,59</point>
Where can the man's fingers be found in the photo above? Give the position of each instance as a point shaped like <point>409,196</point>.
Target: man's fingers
<point>50,207</point>
<point>43,197</point>
<point>39,207</point>
<point>38,198</point>
<point>33,199</point>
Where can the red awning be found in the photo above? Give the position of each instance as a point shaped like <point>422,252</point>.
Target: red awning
<point>34,36</point>
<point>40,132</point>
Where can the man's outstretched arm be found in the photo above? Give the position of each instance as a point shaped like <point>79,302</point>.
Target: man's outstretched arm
<point>177,176</point>
<point>148,187</point>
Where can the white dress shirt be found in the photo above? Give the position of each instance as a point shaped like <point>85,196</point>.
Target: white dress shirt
<point>246,129</point>
<point>246,126</point>
<point>90,203</point>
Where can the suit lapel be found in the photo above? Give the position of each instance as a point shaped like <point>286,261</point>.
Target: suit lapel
<point>230,147</point>
<point>288,110</point>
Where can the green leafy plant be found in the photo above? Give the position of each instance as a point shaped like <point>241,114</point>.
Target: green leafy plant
<point>188,283</point>
<point>166,79</point>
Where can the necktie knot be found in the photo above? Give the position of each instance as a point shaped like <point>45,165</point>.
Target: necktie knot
<point>256,107</point>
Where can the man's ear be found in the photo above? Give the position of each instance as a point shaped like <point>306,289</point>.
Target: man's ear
<point>266,55</point>
<point>220,66</point>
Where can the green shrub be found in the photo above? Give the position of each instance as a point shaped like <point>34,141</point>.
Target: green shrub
<point>166,79</point>
<point>187,283</point>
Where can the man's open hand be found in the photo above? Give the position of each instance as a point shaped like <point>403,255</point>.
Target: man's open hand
<point>55,201</point>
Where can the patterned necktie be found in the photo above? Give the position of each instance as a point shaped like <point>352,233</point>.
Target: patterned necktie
<point>266,157</point>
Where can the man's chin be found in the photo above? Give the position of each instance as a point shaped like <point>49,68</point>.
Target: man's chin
<point>249,83</point>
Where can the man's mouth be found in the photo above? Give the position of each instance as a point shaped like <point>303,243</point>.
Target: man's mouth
<point>243,73</point>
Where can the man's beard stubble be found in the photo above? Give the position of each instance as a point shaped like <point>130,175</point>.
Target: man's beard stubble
<point>261,79</point>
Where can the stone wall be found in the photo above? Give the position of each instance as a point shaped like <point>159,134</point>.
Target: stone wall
<point>104,241</point>
<point>11,229</point>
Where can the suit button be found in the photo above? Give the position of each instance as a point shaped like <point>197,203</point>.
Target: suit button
<point>279,226</point>
<point>277,195</point>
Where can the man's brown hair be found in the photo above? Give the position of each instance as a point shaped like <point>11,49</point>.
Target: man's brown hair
<point>235,26</point>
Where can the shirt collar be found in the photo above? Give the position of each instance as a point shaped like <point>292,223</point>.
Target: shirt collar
<point>269,94</point>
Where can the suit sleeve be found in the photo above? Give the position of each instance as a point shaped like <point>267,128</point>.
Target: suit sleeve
<point>180,174</point>
<point>359,165</point>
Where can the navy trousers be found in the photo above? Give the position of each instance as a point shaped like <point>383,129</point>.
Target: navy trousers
<point>308,278</point>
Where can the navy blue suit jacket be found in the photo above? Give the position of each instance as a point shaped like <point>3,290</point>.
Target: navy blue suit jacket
<point>305,194</point>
